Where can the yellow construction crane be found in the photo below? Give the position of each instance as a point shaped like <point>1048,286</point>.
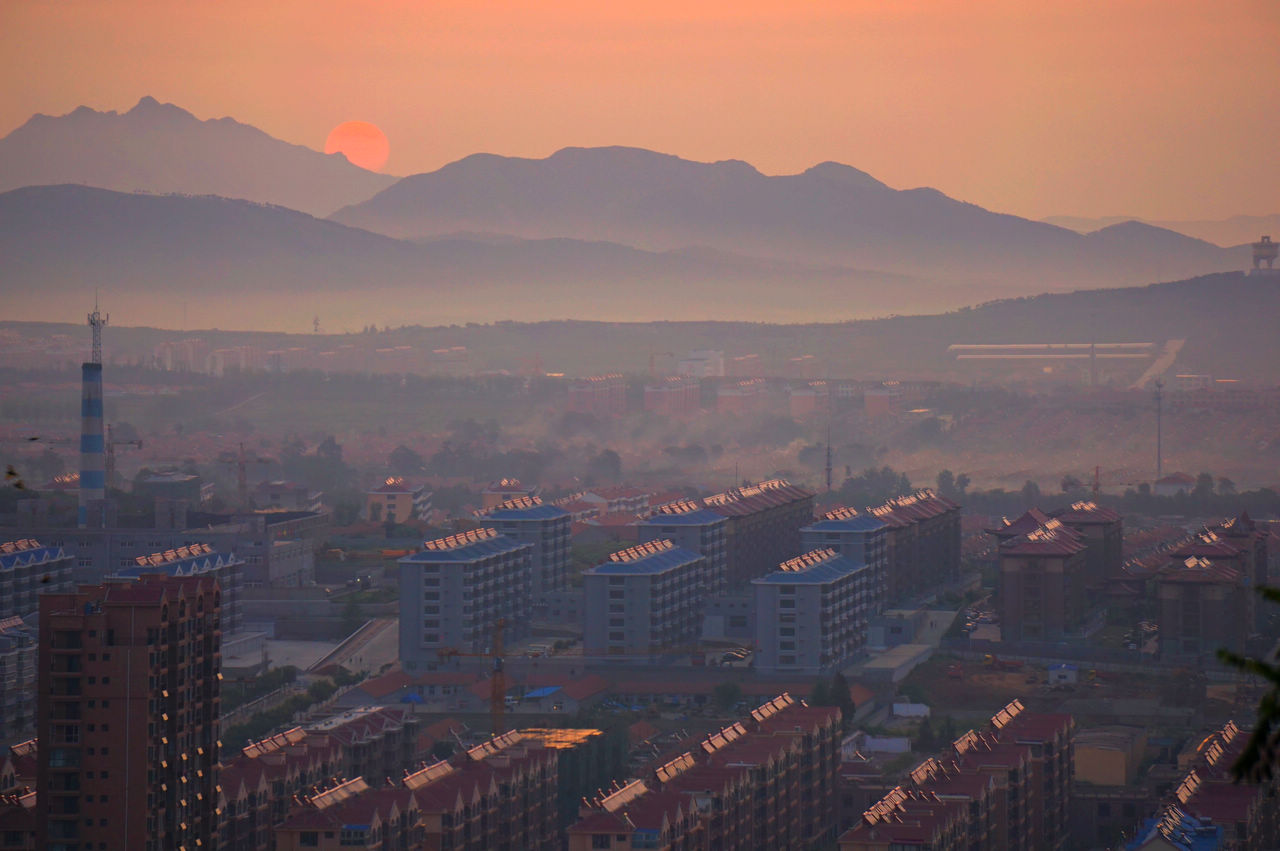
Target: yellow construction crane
<point>497,682</point>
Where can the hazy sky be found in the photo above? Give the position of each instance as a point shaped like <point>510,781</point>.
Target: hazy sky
<point>1037,107</point>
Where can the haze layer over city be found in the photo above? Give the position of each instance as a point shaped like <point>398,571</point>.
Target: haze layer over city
<point>639,426</point>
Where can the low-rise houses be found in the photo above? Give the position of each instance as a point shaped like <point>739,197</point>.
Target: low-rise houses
<point>1007,786</point>
<point>766,781</point>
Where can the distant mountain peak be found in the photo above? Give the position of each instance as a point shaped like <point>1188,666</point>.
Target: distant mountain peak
<point>149,107</point>
<point>843,173</point>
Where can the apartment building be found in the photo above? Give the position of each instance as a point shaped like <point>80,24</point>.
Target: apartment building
<point>1203,604</point>
<point>397,501</point>
<point>924,543</point>
<point>601,396</point>
<point>459,591</point>
<point>673,396</point>
<point>766,781</point>
<point>26,569</point>
<point>18,654</point>
<point>544,527</point>
<point>1043,579</point>
<point>1102,531</point>
<point>1006,786</point>
<point>860,537</point>
<point>764,526</point>
<point>198,560</point>
<point>129,699</point>
<point>688,524</point>
<point>811,614</point>
<point>644,602</point>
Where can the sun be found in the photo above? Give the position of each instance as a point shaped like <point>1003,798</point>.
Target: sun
<point>361,142</point>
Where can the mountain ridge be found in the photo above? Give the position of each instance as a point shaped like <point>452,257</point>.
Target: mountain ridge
<point>161,147</point>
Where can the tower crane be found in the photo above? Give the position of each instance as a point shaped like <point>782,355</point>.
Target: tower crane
<point>112,443</point>
<point>498,680</point>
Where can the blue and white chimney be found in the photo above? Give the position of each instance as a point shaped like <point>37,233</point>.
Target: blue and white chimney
<point>93,459</point>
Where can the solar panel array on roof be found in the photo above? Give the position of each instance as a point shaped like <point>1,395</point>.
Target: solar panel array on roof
<point>1188,786</point>
<point>189,551</point>
<point>622,796</point>
<point>337,794</point>
<point>729,734</point>
<point>18,546</point>
<point>484,750</point>
<point>274,743</point>
<point>773,707</point>
<point>680,506</point>
<point>806,561</point>
<point>462,539</point>
<point>516,504</point>
<point>886,808</point>
<point>966,742</point>
<point>640,551</point>
<point>674,768</point>
<point>1002,718</point>
<point>430,774</point>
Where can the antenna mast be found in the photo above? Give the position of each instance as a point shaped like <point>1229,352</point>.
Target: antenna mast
<point>828,467</point>
<point>96,322</point>
<point>1159,428</point>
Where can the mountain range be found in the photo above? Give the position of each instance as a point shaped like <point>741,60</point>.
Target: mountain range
<point>605,233</point>
<point>239,264</point>
<point>159,147</point>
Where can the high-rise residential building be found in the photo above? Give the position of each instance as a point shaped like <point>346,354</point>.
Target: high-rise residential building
<point>199,560</point>
<point>764,527</point>
<point>812,614</point>
<point>1102,530</point>
<point>1204,604</point>
<point>128,715</point>
<point>688,524</point>
<point>1043,582</point>
<point>459,591</point>
<point>924,543</point>
<point>673,396</point>
<point>545,527</point>
<point>859,536</point>
<point>645,602</point>
<point>26,569</point>
<point>18,654</point>
<point>599,395</point>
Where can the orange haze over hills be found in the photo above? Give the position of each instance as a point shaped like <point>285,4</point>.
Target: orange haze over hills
<point>1086,107</point>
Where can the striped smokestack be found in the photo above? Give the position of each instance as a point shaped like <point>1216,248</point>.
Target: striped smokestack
<point>93,461</point>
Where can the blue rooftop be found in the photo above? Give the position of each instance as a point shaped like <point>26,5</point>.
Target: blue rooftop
<point>819,572</point>
<point>191,566</point>
<point>31,555</point>
<point>654,563</point>
<point>545,691</point>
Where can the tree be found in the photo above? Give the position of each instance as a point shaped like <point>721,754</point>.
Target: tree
<point>605,467</point>
<point>1226,487</point>
<point>821,694</point>
<point>1260,758</point>
<point>1030,492</point>
<point>727,695</point>
<point>841,697</point>
<point>962,484</point>
<point>1070,484</point>
<point>946,483</point>
<point>403,461</point>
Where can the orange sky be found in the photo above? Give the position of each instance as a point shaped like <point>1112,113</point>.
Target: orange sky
<point>1091,107</point>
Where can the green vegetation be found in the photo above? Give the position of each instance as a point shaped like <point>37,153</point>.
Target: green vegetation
<point>262,724</point>
<point>1261,756</point>
<point>239,693</point>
